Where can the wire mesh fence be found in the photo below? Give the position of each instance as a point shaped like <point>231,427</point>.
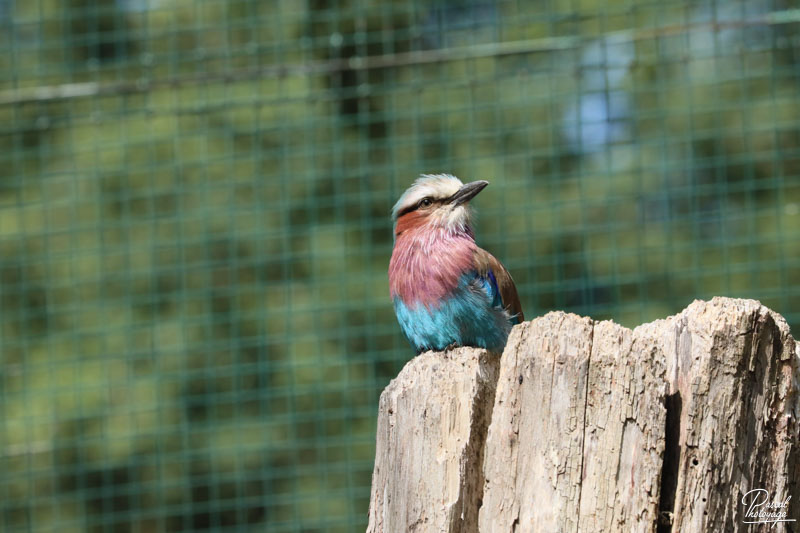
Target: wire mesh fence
<point>194,229</point>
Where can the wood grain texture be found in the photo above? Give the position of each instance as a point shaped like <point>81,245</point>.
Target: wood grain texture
<point>623,431</point>
<point>590,426</point>
<point>732,367</point>
<point>587,421</point>
<point>431,430</point>
<point>535,442</point>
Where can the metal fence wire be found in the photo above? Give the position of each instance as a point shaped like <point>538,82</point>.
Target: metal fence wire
<point>194,221</point>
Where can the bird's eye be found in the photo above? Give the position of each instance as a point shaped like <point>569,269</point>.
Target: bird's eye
<point>425,202</point>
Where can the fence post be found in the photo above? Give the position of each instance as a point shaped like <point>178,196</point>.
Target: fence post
<point>682,424</point>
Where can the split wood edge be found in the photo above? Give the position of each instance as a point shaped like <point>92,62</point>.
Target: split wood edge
<point>588,426</point>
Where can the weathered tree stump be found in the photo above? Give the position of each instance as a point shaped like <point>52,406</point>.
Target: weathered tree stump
<point>732,368</point>
<point>679,425</point>
<point>431,430</point>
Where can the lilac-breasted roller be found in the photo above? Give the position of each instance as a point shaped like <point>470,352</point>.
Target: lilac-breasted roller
<point>446,290</point>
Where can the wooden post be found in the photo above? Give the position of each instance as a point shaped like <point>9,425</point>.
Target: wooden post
<point>576,444</point>
<point>432,426</point>
<point>679,425</point>
<point>732,373</point>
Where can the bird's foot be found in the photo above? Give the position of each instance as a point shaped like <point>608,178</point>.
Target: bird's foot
<point>451,346</point>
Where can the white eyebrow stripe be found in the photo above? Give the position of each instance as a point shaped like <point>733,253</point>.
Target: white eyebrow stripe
<point>438,186</point>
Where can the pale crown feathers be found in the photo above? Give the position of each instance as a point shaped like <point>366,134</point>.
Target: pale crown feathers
<point>435,186</point>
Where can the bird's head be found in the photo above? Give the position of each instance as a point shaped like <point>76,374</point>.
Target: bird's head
<point>436,201</point>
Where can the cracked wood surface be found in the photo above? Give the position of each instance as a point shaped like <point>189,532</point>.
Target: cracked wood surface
<point>733,365</point>
<point>587,420</point>
<point>431,428</point>
<point>595,427</point>
<point>535,442</point>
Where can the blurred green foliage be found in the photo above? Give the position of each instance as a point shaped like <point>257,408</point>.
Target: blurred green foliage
<point>194,313</point>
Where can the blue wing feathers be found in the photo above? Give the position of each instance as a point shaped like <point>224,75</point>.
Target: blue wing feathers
<point>497,299</point>
<point>502,284</point>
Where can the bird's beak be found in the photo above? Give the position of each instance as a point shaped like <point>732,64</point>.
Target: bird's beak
<point>467,192</point>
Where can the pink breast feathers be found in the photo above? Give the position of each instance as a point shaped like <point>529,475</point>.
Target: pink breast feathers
<point>427,264</point>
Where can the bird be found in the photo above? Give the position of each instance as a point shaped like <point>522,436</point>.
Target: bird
<point>447,291</point>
